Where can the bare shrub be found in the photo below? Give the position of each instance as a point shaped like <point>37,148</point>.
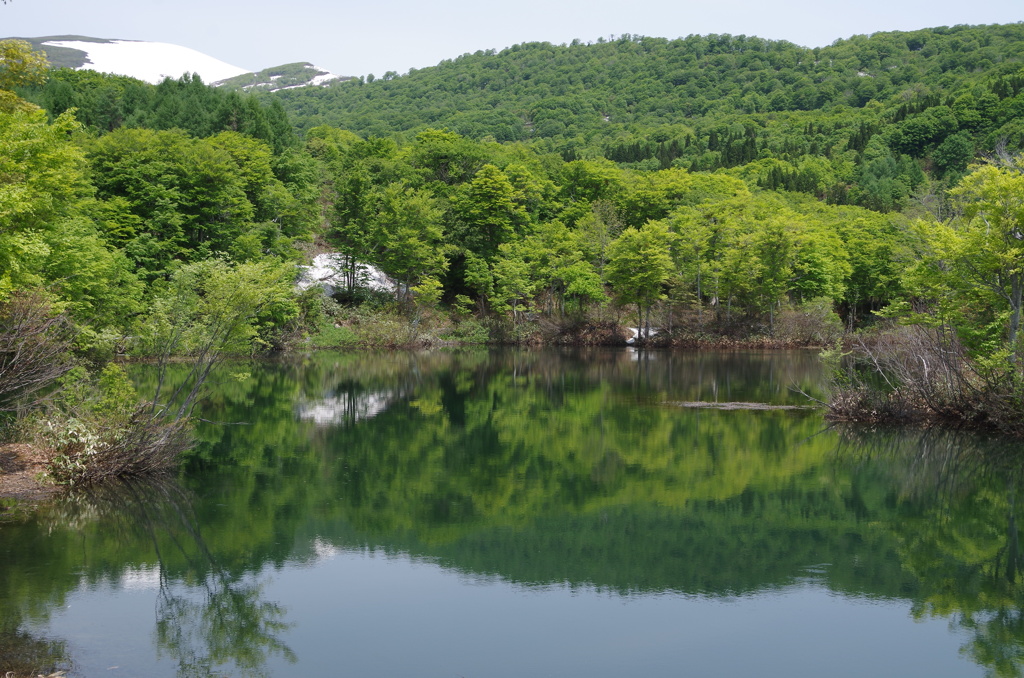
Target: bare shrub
<point>921,373</point>
<point>35,348</point>
<point>577,332</point>
<point>145,445</point>
<point>812,323</point>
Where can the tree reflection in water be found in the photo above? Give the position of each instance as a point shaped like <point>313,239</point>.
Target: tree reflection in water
<point>207,617</point>
<point>964,543</point>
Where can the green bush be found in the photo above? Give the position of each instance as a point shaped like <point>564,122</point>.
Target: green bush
<point>468,331</point>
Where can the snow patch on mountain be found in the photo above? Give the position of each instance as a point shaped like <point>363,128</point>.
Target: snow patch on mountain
<point>286,76</point>
<point>150,61</point>
<point>316,81</point>
<point>328,271</point>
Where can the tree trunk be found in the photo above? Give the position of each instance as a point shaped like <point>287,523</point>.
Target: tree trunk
<point>700,305</point>
<point>1016,294</point>
<point>639,323</point>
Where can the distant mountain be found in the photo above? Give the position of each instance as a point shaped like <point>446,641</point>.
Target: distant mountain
<point>147,61</point>
<point>154,61</point>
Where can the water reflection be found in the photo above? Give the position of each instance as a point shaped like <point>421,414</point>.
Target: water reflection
<point>208,621</point>
<point>26,654</point>
<point>345,406</point>
<point>964,542</point>
<point>540,471</point>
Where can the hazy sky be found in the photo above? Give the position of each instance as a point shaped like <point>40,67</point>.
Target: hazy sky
<point>374,36</point>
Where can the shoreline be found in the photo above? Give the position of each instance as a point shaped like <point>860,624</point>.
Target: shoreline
<point>22,464</point>
<point>21,468</point>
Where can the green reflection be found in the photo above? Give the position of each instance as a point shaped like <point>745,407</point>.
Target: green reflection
<point>207,619</point>
<point>962,540</point>
<point>541,468</point>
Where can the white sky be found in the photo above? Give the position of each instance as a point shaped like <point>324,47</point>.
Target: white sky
<point>356,37</point>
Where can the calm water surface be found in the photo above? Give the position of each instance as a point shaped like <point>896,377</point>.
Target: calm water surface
<point>538,513</point>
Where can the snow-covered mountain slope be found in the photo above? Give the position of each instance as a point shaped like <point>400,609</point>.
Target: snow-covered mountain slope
<point>149,61</point>
<point>154,61</point>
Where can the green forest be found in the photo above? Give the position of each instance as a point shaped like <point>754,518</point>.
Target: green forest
<point>717,190</point>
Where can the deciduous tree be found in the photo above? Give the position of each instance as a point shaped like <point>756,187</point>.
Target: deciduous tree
<point>639,266</point>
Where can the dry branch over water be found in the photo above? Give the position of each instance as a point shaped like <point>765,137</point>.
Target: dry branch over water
<point>737,406</point>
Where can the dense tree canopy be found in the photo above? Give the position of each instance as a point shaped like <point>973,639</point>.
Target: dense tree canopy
<point>726,177</point>
<point>931,98</point>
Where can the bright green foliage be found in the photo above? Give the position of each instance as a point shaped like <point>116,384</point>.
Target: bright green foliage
<point>651,196</point>
<point>550,264</point>
<point>752,251</point>
<point>535,194</point>
<point>973,267</point>
<point>595,231</point>
<point>97,285</point>
<point>282,210</point>
<point>557,261</point>
<point>487,213</point>
<point>526,223</point>
<point>118,396</point>
<point>45,237</point>
<point>253,160</point>
<point>848,254</point>
<point>406,236</point>
<point>105,399</point>
<point>639,266</point>
<point>479,276</point>
<point>175,198</point>
<point>42,176</point>
<point>587,181</point>
<point>214,305</point>
<point>19,67</point>
<point>820,265</point>
<point>428,292</point>
<point>362,172</point>
<point>353,211</point>
<point>210,310</point>
<point>515,283</point>
<point>329,144</point>
<point>187,193</point>
<point>445,157</point>
<point>298,214</point>
<point>772,247</point>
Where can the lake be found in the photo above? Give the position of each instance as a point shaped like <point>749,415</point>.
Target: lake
<point>530,513</point>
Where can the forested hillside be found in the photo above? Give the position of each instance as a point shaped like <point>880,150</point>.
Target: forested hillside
<point>930,99</point>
